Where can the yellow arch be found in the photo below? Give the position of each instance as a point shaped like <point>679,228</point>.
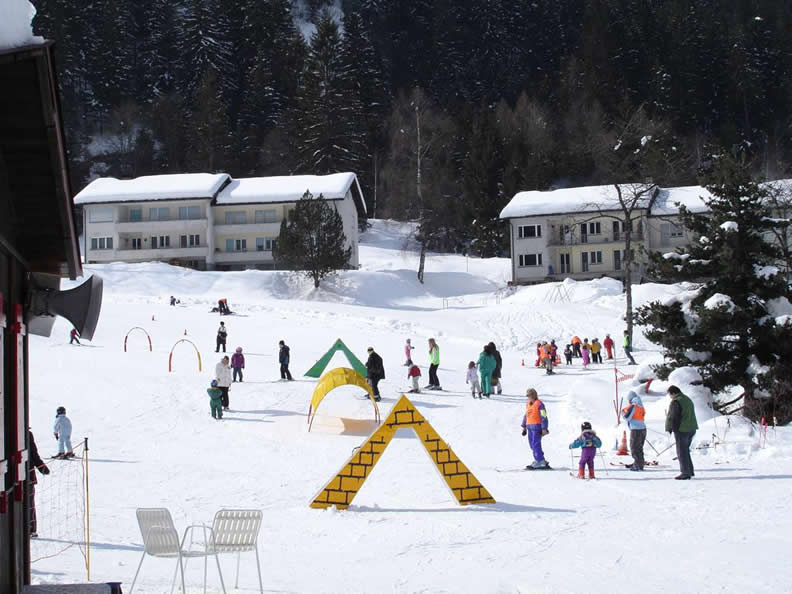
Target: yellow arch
<point>341,376</point>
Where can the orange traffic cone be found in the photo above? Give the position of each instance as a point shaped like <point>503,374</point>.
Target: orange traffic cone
<point>623,451</point>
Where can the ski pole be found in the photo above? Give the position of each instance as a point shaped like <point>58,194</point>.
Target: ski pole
<point>604,466</point>
<point>651,446</point>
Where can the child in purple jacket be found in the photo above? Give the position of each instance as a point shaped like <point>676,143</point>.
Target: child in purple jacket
<point>589,442</point>
<point>238,363</point>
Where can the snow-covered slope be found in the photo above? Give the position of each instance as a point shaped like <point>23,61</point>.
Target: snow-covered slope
<point>154,443</point>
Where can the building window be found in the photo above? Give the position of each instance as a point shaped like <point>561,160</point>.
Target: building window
<point>266,216</point>
<point>594,229</point>
<point>137,243</point>
<point>235,217</point>
<point>676,231</point>
<point>530,260</point>
<point>189,241</point>
<point>161,241</point>
<point>135,215</point>
<point>528,231</point>
<point>595,257</point>
<point>236,245</point>
<point>189,212</point>
<point>100,214</point>
<point>101,243</point>
<point>159,214</point>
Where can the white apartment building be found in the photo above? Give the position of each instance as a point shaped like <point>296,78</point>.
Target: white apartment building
<point>580,232</point>
<point>205,221</point>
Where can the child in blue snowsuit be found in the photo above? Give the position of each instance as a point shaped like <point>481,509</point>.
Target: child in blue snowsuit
<point>589,442</point>
<point>63,430</point>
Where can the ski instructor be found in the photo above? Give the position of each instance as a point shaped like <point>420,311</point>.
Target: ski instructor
<point>534,424</point>
<point>681,421</point>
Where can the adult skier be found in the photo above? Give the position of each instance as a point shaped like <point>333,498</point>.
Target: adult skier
<point>608,344</point>
<point>486,367</point>
<point>223,376</point>
<point>376,371</point>
<point>74,336</point>
<point>628,348</point>
<point>496,375</point>
<point>534,424</point>
<point>222,334</point>
<point>434,363</point>
<point>283,359</point>
<point>634,413</point>
<point>681,421</point>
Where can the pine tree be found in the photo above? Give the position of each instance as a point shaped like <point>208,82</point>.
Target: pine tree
<point>207,130</point>
<point>203,45</point>
<point>728,330</point>
<point>331,134</point>
<point>313,239</point>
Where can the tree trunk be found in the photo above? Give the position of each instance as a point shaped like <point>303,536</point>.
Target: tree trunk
<point>419,193</point>
<point>628,265</point>
<point>421,262</point>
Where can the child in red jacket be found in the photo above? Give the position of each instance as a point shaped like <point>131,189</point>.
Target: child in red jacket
<point>413,372</point>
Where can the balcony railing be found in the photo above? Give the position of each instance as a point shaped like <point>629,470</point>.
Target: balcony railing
<point>572,239</point>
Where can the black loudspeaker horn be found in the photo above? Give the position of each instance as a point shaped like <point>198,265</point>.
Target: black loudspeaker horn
<point>81,305</point>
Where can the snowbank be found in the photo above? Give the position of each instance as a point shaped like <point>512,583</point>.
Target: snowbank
<point>15,24</point>
<point>718,300</point>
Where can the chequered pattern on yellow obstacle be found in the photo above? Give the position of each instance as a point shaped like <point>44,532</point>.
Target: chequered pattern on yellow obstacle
<point>341,490</point>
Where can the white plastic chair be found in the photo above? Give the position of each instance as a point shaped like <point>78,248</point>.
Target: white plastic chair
<point>160,539</point>
<point>236,531</point>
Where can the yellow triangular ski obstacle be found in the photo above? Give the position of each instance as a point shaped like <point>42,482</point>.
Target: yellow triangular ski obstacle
<point>343,487</point>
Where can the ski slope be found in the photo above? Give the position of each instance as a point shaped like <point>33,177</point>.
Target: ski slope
<point>153,442</point>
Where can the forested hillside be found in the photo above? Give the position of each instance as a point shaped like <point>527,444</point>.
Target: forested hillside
<point>488,96</point>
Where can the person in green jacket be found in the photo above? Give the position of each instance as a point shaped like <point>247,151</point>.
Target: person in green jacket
<point>628,348</point>
<point>681,421</point>
<point>215,401</point>
<point>486,365</point>
<point>434,363</point>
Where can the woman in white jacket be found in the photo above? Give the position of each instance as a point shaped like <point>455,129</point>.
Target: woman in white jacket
<point>223,376</point>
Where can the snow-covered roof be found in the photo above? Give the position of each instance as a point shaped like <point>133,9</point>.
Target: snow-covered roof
<point>565,200</point>
<point>152,187</point>
<point>594,198</point>
<point>691,197</point>
<point>15,24</point>
<point>286,188</point>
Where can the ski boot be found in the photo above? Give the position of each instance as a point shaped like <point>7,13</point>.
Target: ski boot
<point>581,473</point>
<point>591,473</point>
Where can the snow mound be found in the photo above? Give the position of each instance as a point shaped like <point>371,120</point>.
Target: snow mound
<point>15,24</point>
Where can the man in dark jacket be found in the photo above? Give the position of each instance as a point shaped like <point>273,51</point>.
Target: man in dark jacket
<point>681,421</point>
<point>222,334</point>
<point>34,462</point>
<point>283,359</point>
<point>376,371</point>
<point>496,375</point>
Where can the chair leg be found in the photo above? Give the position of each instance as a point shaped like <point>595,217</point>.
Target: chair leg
<point>236,584</point>
<point>258,566</point>
<point>205,564</point>
<point>137,572</point>
<point>184,590</point>
<point>220,573</point>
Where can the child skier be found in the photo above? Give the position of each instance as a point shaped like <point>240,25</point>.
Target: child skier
<point>237,363</point>
<point>608,344</point>
<point>215,400</point>
<point>568,354</point>
<point>473,380</point>
<point>413,373</point>
<point>585,350</point>
<point>407,354</point>
<point>589,442</point>
<point>63,430</point>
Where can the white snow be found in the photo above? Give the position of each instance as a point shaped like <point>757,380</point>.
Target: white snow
<point>718,300</point>
<point>765,271</point>
<point>154,444</point>
<point>730,226</point>
<point>152,187</point>
<point>286,188</point>
<point>15,24</point>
